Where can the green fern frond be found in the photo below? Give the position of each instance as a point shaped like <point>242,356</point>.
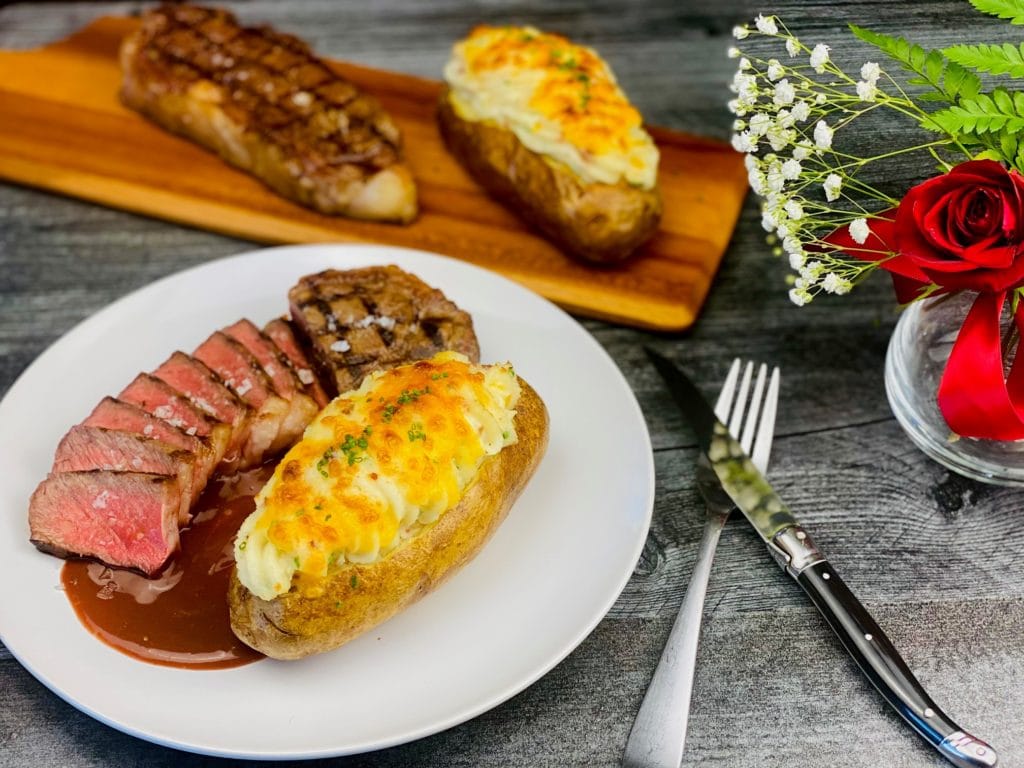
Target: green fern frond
<point>999,113</point>
<point>1012,10</point>
<point>1005,59</point>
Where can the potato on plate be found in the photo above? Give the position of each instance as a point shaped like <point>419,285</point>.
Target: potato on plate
<point>392,488</point>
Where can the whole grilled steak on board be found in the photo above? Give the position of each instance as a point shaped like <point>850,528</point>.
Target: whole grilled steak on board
<point>362,320</point>
<point>265,103</point>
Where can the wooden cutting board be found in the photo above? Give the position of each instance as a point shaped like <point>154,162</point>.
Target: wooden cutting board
<point>62,128</point>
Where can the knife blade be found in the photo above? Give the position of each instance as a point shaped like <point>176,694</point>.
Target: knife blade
<point>724,461</point>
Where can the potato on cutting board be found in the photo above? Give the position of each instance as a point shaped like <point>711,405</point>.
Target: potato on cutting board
<point>542,124</point>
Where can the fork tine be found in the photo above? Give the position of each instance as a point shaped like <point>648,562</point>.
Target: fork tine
<point>741,401</point>
<point>766,429</point>
<point>755,404</point>
<point>725,397</point>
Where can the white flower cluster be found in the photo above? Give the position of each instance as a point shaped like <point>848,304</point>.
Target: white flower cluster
<point>783,126</point>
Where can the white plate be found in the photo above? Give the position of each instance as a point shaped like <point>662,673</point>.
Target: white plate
<point>539,587</point>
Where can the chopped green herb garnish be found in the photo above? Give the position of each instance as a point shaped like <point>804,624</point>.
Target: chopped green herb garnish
<point>296,562</point>
<point>337,603</point>
<point>416,433</point>
<point>436,376</point>
<point>505,435</point>
<point>389,411</point>
<point>354,581</point>
<point>328,517</point>
<point>318,506</point>
<point>412,395</point>
<point>241,546</point>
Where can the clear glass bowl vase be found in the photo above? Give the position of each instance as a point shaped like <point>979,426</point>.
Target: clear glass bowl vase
<point>917,355</point>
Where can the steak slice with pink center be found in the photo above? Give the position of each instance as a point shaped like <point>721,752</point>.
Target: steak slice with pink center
<point>86,448</point>
<point>302,407</point>
<point>128,519</point>
<point>125,417</point>
<point>240,371</point>
<point>281,333</point>
<point>207,391</point>
<point>161,400</point>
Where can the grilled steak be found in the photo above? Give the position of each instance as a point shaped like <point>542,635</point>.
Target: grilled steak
<point>265,103</point>
<point>286,382</point>
<point>163,401</point>
<point>123,518</point>
<point>281,333</point>
<point>243,375</point>
<point>207,391</point>
<point>125,417</point>
<point>86,448</point>
<point>369,319</point>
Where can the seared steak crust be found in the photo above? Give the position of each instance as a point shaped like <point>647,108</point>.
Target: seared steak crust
<point>364,320</point>
<point>265,103</point>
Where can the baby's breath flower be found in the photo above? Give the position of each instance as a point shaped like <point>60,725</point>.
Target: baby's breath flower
<point>799,296</point>
<point>732,52</point>
<point>741,32</point>
<point>780,138</point>
<point>832,186</point>
<point>775,70</point>
<point>744,142</point>
<point>791,171</point>
<point>792,47</point>
<point>823,135</point>
<point>768,222</point>
<point>794,210</point>
<point>766,25</point>
<point>866,90</point>
<point>870,72</point>
<point>739,125</point>
<point>801,111</point>
<point>833,283</point>
<point>796,258</point>
<point>785,118</point>
<point>801,152</point>
<point>859,230</point>
<point>819,57</point>
<point>785,93</point>
<point>744,64</point>
<point>759,124</point>
<point>821,98</point>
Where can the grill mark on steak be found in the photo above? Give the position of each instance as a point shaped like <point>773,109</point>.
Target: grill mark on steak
<point>363,320</point>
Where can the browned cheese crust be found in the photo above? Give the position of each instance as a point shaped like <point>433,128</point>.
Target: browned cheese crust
<point>602,223</point>
<point>359,597</point>
<point>262,101</point>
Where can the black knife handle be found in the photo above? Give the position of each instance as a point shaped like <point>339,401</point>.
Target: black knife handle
<point>885,668</point>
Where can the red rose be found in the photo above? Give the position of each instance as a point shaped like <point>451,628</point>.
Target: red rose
<point>964,229</point>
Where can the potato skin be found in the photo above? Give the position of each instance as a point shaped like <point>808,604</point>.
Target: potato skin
<point>359,597</point>
<point>598,223</point>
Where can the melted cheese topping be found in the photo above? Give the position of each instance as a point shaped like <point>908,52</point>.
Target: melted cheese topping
<point>374,467</point>
<point>560,99</point>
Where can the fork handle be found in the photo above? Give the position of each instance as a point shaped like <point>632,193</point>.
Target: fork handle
<point>659,731</point>
<point>882,663</point>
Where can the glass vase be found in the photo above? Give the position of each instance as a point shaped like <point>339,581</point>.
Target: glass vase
<point>917,355</point>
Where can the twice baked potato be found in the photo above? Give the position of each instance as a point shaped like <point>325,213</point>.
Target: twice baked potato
<point>393,487</point>
<point>542,124</point>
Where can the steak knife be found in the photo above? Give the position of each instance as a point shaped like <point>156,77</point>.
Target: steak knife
<point>723,467</point>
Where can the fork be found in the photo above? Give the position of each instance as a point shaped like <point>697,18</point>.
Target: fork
<point>659,731</point>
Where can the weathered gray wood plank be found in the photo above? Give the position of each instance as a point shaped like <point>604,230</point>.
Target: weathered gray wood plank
<point>936,558</point>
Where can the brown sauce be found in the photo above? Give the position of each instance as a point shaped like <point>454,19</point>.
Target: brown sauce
<point>179,618</point>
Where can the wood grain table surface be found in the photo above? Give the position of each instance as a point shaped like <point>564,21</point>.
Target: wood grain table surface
<point>939,560</point>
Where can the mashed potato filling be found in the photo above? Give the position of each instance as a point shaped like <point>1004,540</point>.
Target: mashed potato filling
<point>374,467</point>
<point>560,99</point>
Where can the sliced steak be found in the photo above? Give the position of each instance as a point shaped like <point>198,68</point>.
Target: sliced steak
<point>126,417</point>
<point>302,407</point>
<point>128,519</point>
<point>206,390</point>
<point>86,448</point>
<point>266,104</point>
<point>364,320</point>
<point>281,333</point>
<point>243,375</point>
<point>164,402</point>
